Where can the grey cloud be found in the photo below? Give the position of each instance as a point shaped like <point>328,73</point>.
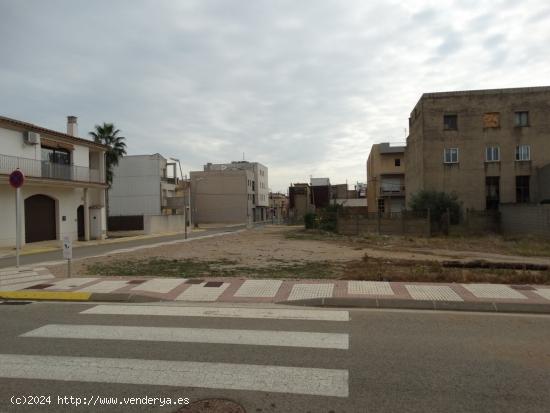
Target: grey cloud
<point>305,87</point>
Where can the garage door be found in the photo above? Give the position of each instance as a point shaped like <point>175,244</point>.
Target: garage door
<point>39,218</point>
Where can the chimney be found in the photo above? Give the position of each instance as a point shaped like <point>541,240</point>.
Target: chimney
<point>72,126</point>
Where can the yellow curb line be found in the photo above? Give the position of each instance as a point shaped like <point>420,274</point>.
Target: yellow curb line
<point>46,295</point>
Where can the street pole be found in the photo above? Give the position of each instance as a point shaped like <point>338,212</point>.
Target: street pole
<point>17,225</point>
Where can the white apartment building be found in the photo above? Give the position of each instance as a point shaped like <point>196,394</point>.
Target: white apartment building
<point>143,185</point>
<point>146,195</point>
<point>64,189</point>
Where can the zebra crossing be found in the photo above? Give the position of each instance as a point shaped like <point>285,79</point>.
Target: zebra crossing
<point>268,377</point>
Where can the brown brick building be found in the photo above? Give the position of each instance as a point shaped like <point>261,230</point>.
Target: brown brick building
<point>487,146</point>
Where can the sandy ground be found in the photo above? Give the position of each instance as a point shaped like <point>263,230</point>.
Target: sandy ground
<point>259,247</point>
<point>262,247</point>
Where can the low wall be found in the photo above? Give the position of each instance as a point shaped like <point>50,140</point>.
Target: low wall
<point>156,224</point>
<point>382,225</point>
<point>525,219</point>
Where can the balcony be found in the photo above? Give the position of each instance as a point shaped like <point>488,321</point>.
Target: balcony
<point>33,168</point>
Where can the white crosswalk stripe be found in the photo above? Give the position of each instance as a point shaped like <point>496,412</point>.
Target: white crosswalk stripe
<point>193,335</point>
<point>231,312</point>
<point>302,380</point>
<point>296,380</point>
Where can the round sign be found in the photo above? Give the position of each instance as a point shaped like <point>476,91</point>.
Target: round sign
<point>17,178</point>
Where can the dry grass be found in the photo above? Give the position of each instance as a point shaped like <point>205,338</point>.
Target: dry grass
<point>376,269</point>
<point>527,246</point>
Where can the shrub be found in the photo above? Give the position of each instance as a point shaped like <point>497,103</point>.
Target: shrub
<point>437,203</point>
<point>309,220</point>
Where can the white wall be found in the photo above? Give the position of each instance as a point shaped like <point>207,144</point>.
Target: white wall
<point>81,156</point>
<point>262,185</point>
<point>157,224</point>
<point>11,143</point>
<point>136,186</point>
<point>67,202</point>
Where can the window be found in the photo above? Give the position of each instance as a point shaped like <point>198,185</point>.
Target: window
<point>381,205</point>
<point>450,122</point>
<point>523,153</point>
<point>492,154</point>
<point>522,188</point>
<point>491,120</point>
<point>398,162</point>
<point>450,155</point>
<point>521,119</point>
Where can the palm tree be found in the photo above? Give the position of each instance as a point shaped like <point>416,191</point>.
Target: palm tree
<point>106,134</point>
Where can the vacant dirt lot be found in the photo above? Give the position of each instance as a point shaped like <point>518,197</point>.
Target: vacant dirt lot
<point>289,252</point>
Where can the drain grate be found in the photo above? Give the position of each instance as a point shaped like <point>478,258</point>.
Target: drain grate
<point>213,284</point>
<point>38,287</point>
<point>136,281</point>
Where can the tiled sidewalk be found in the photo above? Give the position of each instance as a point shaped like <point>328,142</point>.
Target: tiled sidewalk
<point>270,291</point>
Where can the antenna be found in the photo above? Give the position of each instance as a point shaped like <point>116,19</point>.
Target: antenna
<point>243,156</point>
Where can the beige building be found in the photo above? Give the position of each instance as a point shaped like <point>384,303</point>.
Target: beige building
<point>487,146</point>
<point>260,187</point>
<point>223,196</point>
<point>386,178</point>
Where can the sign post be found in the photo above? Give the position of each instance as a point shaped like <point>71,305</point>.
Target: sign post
<point>68,253</point>
<point>17,179</point>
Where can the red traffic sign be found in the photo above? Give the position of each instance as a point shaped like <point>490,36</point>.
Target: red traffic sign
<point>17,179</point>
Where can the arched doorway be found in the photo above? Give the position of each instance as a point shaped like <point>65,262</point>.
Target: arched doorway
<point>40,222</point>
<point>80,222</point>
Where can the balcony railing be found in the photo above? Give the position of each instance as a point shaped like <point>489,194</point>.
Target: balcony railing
<point>392,191</point>
<point>43,169</point>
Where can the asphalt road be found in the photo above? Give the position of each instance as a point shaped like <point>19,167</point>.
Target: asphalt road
<point>296,361</point>
<point>88,251</point>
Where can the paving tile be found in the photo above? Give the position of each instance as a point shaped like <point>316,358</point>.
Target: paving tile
<point>70,283</point>
<point>104,286</point>
<point>370,287</point>
<point>543,292</point>
<point>306,291</point>
<point>160,285</point>
<point>259,288</point>
<point>493,291</point>
<point>199,292</point>
<point>433,293</point>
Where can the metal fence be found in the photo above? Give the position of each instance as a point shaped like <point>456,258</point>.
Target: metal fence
<point>125,223</point>
<point>45,169</point>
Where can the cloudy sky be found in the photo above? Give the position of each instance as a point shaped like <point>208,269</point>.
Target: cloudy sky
<point>305,87</point>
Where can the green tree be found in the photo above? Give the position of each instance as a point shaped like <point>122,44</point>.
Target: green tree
<point>437,203</point>
<point>107,134</point>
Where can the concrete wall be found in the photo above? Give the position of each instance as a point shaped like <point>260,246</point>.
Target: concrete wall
<point>428,139</point>
<point>136,188</point>
<point>526,219</point>
<point>157,224</point>
<point>222,196</point>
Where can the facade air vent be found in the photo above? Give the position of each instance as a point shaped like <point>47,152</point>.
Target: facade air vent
<point>31,138</point>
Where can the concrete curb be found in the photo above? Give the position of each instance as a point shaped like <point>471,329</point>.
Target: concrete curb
<point>388,303</point>
<point>77,296</point>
